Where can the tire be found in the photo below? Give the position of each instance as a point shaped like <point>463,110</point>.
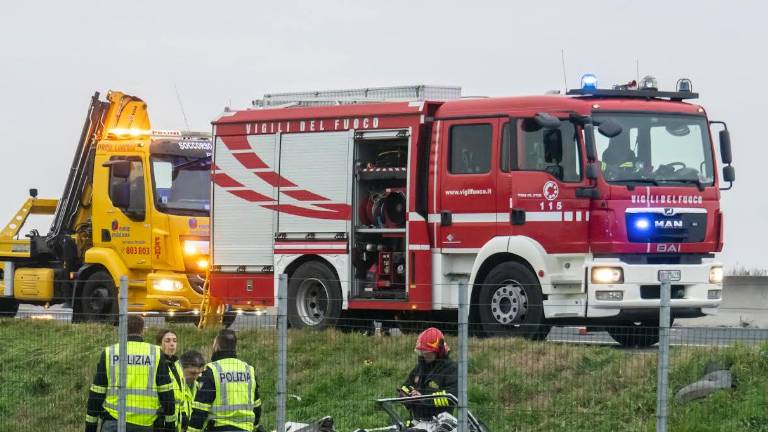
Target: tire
<point>635,335</point>
<point>511,303</point>
<point>8,307</point>
<point>314,297</point>
<point>98,298</point>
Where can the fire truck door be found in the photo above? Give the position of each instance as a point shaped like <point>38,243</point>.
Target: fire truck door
<point>538,185</point>
<point>467,192</point>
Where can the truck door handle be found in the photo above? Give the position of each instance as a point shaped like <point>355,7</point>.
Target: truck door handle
<point>517,216</point>
<point>446,219</point>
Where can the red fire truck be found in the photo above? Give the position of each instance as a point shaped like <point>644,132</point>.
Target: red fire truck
<point>554,209</point>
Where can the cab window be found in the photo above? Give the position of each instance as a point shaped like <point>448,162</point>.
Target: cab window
<point>128,191</point>
<point>470,149</point>
<point>535,150</point>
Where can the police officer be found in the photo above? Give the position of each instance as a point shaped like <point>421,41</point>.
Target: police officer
<point>148,386</point>
<point>192,364</point>
<point>434,374</point>
<point>167,340</point>
<point>228,395</point>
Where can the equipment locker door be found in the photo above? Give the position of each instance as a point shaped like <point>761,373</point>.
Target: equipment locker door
<point>538,188</point>
<point>315,183</point>
<point>244,221</point>
<point>467,209</point>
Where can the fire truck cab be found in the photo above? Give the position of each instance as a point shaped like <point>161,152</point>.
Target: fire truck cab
<point>553,209</point>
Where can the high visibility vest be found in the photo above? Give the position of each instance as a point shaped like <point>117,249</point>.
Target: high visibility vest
<point>141,401</point>
<point>180,394</point>
<point>235,383</point>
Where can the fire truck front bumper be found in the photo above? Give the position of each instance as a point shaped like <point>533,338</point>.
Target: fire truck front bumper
<point>617,289</point>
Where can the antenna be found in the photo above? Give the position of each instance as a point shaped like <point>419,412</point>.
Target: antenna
<point>181,106</point>
<point>562,60</point>
<point>637,71</point>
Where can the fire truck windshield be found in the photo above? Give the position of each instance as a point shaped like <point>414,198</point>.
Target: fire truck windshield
<point>657,149</point>
<point>182,184</point>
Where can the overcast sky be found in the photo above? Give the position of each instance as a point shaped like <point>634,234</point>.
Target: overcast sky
<point>54,55</point>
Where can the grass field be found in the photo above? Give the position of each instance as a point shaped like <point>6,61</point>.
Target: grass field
<point>515,385</point>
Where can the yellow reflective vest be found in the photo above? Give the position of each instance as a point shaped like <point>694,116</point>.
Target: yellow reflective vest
<point>141,402</point>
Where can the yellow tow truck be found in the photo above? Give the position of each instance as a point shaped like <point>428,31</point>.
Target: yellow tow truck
<point>136,203</point>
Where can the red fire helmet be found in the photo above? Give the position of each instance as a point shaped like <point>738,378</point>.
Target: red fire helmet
<point>432,340</point>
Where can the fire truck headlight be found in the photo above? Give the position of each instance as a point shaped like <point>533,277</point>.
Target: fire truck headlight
<point>589,82</point>
<point>607,275</point>
<point>716,275</point>
<point>166,285</point>
<point>196,247</point>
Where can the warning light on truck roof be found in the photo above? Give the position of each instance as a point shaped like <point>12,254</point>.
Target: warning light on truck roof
<point>589,82</point>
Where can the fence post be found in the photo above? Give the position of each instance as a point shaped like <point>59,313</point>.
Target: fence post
<point>463,356</point>
<point>123,348</point>
<point>663,356</point>
<point>282,348</point>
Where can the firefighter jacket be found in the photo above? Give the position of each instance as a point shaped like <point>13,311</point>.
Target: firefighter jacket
<point>227,396</point>
<point>149,390</point>
<point>438,377</point>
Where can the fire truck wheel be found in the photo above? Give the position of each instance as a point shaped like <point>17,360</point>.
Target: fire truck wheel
<point>98,299</point>
<point>639,335</point>
<point>314,297</point>
<point>510,303</point>
<point>8,307</point>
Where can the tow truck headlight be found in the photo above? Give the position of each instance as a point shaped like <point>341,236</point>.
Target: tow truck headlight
<point>716,275</point>
<point>607,275</point>
<point>166,285</point>
<point>202,264</point>
<point>196,247</point>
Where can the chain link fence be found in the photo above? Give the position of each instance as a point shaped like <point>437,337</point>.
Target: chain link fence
<point>354,373</point>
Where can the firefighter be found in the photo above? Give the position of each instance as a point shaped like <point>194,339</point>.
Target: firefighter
<point>618,159</point>
<point>227,397</point>
<point>434,374</point>
<point>167,340</point>
<point>149,399</point>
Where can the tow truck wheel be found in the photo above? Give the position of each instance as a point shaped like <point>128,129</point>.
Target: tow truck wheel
<point>8,307</point>
<point>635,335</point>
<point>314,297</point>
<point>511,303</point>
<point>98,299</point>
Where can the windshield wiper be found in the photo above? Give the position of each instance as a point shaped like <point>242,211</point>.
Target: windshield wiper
<point>631,183</point>
<point>697,182</point>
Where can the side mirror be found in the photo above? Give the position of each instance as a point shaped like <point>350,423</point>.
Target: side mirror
<point>547,121</point>
<point>729,173</point>
<point>591,171</point>
<point>610,128</point>
<point>121,195</point>
<point>120,168</point>
<point>725,147</point>
<point>553,146</point>
<point>589,142</point>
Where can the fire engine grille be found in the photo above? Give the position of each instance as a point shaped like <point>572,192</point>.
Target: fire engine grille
<point>653,292</point>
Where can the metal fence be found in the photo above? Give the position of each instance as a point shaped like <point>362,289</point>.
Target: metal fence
<point>560,379</point>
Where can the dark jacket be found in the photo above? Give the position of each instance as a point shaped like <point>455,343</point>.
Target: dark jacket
<point>428,378</point>
<point>206,394</point>
<point>96,400</point>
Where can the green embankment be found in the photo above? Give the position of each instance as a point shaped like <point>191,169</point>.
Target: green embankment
<point>46,369</point>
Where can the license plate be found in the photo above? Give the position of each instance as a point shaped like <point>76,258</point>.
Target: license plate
<point>670,275</point>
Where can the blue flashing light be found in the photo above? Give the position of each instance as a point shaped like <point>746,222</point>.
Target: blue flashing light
<point>589,82</point>
<point>642,224</point>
